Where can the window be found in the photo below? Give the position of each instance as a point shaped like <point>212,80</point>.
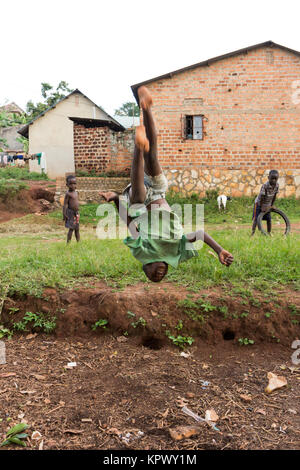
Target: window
<point>193,127</point>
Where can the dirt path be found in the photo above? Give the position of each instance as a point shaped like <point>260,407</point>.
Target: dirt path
<point>130,378</point>
<point>120,387</point>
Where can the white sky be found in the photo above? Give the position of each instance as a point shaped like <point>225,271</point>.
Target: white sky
<point>103,47</point>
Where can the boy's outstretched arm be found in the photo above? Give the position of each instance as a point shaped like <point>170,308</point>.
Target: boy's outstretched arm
<point>111,196</point>
<point>224,256</point>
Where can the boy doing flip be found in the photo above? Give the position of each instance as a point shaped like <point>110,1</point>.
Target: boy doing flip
<point>156,251</point>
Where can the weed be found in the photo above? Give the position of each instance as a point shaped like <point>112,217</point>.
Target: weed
<point>268,314</point>
<point>180,341</point>
<point>38,320</point>
<point>192,307</point>
<point>245,341</point>
<point>130,314</point>
<point>15,435</point>
<point>5,332</point>
<point>179,325</point>
<point>224,310</point>
<point>141,322</point>
<point>13,310</point>
<point>244,314</point>
<point>294,309</point>
<point>101,323</point>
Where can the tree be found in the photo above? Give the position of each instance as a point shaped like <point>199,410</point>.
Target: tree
<point>51,97</point>
<point>128,109</point>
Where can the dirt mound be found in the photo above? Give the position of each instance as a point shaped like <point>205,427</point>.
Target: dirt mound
<point>41,193</point>
<point>156,315</point>
<point>27,201</point>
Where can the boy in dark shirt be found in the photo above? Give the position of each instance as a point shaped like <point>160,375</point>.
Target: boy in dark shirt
<point>71,209</point>
<point>155,246</point>
<point>265,200</point>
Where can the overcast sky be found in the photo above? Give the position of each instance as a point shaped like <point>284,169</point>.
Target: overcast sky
<point>104,47</point>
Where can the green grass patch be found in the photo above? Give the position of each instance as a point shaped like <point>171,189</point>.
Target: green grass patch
<point>15,173</point>
<point>28,264</point>
<point>9,189</point>
<point>238,210</point>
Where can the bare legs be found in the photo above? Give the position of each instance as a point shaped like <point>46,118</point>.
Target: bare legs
<point>145,151</point>
<point>70,233</point>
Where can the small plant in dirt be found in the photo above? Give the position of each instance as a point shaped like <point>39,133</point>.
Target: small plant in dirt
<point>101,323</point>
<point>13,310</point>
<point>130,314</point>
<point>179,325</point>
<point>5,332</point>
<point>180,341</point>
<point>192,307</point>
<point>242,292</point>
<point>268,314</point>
<point>294,309</point>
<point>244,314</point>
<point>38,321</point>
<point>245,341</point>
<point>140,322</point>
<point>15,435</point>
<point>223,309</point>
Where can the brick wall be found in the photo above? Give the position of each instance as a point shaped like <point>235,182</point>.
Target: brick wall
<point>102,149</point>
<point>251,121</point>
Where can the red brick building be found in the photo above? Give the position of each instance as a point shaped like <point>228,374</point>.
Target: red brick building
<point>101,145</point>
<point>227,121</point>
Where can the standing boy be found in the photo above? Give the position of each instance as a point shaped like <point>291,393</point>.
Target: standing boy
<point>155,247</point>
<point>71,209</point>
<point>265,200</point>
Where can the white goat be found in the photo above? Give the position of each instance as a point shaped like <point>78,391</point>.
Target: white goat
<point>222,199</point>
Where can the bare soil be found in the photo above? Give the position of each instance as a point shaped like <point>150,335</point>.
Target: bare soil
<point>38,198</point>
<point>129,379</point>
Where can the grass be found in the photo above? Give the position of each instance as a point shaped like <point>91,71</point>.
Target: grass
<point>8,189</point>
<point>30,263</point>
<point>15,173</point>
<point>12,181</point>
<point>238,211</point>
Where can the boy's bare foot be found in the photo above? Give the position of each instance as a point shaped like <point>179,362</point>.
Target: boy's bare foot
<point>141,140</point>
<point>144,97</point>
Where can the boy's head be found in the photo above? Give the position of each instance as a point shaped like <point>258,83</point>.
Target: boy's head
<point>155,271</point>
<point>71,182</point>
<point>273,177</point>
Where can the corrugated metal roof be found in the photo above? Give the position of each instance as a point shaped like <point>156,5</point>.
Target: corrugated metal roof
<point>87,122</point>
<point>128,121</point>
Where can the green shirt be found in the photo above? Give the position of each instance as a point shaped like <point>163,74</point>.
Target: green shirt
<point>160,238</point>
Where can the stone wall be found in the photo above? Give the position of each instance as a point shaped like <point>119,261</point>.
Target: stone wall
<point>88,188</point>
<point>234,183</point>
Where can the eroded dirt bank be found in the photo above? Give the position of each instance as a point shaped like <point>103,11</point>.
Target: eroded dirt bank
<point>154,313</point>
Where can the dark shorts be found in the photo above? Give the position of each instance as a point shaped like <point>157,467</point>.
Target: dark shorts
<point>257,211</point>
<point>71,220</point>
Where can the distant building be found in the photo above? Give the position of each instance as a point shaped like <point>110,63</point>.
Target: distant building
<point>10,134</point>
<point>54,133</point>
